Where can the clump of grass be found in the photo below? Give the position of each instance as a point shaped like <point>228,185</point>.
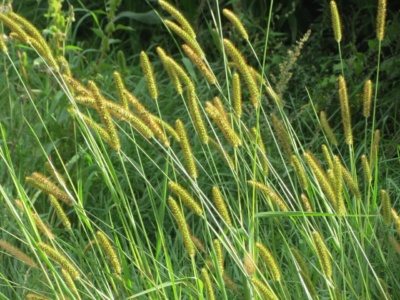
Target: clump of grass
<point>306,202</point>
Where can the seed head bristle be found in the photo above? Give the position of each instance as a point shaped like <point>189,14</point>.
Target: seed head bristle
<point>323,254</point>
<point>34,296</point>
<point>149,75</point>
<point>229,133</point>
<point>396,220</point>
<point>367,98</point>
<point>327,128</point>
<point>59,258</point>
<point>55,173</point>
<point>110,251</point>
<point>270,194</point>
<point>199,63</point>
<point>182,226</point>
<point>60,212</point>
<point>120,86</point>
<point>178,16</point>
<point>237,95</point>
<point>375,148</point>
<point>306,203</point>
<point>170,70</point>
<point>185,197</point>
<point>337,28</point>
<point>196,115</point>
<point>167,127</point>
<point>321,177</point>
<point>243,68</point>
<point>17,253</point>
<point>270,260</point>
<point>274,96</point>
<point>102,132</point>
<point>186,149</point>
<point>351,182</point>
<point>345,110</point>
<point>261,151</point>
<point>219,255</point>
<point>283,135</point>
<point>105,116</point>
<point>386,207</point>
<point>185,36</point>
<point>222,152</point>
<point>381,20</point>
<point>249,264</point>
<point>76,86</point>
<point>301,174</point>
<point>220,204</point>
<point>366,168</point>
<point>14,27</point>
<point>207,284</point>
<point>264,290</point>
<point>236,22</point>
<point>199,245</point>
<point>70,282</point>
<point>338,187</point>
<point>3,47</point>
<point>41,182</point>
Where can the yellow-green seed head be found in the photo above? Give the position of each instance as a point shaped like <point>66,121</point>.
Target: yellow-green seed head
<point>110,251</point>
<point>149,75</point>
<point>323,254</point>
<point>182,226</point>
<point>270,261</point>
<point>381,20</point>
<point>236,22</point>
<point>337,28</point>
<point>185,197</point>
<point>220,204</point>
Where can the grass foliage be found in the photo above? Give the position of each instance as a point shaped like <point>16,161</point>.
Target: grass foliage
<point>181,174</point>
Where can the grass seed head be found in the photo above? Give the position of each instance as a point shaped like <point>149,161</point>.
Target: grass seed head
<point>381,20</point>
<point>110,251</point>
<point>270,261</point>
<point>236,22</point>
<point>182,226</point>
<point>336,24</point>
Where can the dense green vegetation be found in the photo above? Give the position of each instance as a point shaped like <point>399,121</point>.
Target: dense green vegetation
<point>143,157</point>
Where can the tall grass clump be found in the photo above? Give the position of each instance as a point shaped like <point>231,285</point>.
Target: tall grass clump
<point>190,179</point>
